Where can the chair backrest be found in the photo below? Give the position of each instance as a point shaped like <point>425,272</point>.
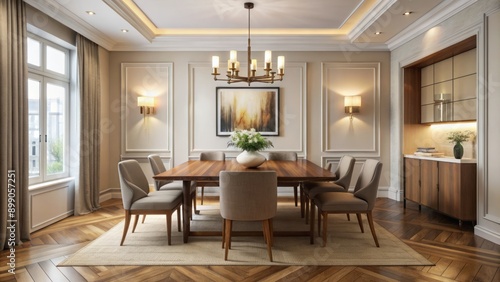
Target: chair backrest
<point>158,167</point>
<point>133,183</point>
<point>282,156</point>
<point>212,156</point>
<point>249,195</point>
<point>344,171</point>
<point>367,183</point>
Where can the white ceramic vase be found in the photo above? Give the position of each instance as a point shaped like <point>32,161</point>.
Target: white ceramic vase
<point>250,159</point>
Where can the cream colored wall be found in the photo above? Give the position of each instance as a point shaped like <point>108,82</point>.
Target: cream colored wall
<point>301,105</point>
<point>462,25</point>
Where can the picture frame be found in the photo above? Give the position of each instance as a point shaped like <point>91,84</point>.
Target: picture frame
<point>246,108</point>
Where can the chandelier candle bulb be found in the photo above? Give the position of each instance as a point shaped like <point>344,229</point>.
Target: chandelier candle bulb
<point>254,64</point>
<point>215,63</point>
<point>233,56</point>
<point>268,57</point>
<point>281,64</point>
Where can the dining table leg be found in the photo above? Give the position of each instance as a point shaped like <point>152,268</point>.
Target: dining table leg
<point>186,216</point>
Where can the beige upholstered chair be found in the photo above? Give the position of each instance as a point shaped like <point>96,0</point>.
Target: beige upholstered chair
<point>209,156</point>
<point>286,156</point>
<point>343,173</point>
<point>362,200</point>
<point>248,196</point>
<point>137,200</point>
<point>158,167</point>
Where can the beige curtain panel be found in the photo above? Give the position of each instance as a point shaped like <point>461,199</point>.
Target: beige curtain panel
<point>87,188</point>
<point>14,208</point>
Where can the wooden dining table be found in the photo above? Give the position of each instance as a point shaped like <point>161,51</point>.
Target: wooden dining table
<point>195,170</point>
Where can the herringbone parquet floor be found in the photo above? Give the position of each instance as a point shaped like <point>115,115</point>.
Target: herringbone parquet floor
<point>457,253</point>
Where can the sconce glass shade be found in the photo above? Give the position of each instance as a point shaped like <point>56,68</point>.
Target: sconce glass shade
<point>145,101</point>
<point>352,104</point>
<point>146,104</point>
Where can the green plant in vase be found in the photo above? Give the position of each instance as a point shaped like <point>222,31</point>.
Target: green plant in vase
<point>458,137</point>
<point>250,141</point>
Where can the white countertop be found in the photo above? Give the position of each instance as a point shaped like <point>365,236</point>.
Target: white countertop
<point>443,159</point>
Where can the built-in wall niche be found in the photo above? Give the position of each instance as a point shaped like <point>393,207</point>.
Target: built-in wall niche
<point>448,89</point>
<point>442,87</point>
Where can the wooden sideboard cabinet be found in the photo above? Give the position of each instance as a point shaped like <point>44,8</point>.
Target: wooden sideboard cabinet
<point>445,185</point>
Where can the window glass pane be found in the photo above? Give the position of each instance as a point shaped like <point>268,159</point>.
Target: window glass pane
<point>56,103</point>
<point>34,127</point>
<point>33,52</point>
<point>56,60</point>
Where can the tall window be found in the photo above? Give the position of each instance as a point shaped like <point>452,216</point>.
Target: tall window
<point>48,103</point>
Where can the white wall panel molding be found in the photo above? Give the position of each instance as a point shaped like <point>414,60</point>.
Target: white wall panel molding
<point>60,192</point>
<point>341,135</point>
<point>146,134</point>
<point>202,110</point>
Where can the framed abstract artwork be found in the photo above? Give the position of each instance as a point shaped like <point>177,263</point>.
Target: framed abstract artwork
<point>246,108</point>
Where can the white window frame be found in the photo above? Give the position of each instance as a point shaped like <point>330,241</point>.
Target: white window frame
<point>45,77</point>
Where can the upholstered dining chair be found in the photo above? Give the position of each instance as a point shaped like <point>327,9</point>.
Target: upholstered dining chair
<point>138,200</point>
<point>209,156</point>
<point>248,196</point>
<point>343,174</point>
<point>158,167</point>
<point>362,200</point>
<point>286,156</point>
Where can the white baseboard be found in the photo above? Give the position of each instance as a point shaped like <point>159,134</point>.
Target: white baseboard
<point>111,193</point>
<point>487,234</point>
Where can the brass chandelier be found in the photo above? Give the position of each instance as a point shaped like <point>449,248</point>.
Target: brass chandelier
<point>233,65</point>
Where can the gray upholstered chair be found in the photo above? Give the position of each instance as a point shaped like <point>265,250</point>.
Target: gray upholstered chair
<point>138,200</point>
<point>343,173</point>
<point>248,196</point>
<point>209,156</point>
<point>362,200</point>
<point>158,167</point>
<point>286,156</point>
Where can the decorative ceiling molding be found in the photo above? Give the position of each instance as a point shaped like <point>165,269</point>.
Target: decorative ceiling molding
<point>60,13</point>
<point>130,14</point>
<point>439,14</point>
<point>380,8</point>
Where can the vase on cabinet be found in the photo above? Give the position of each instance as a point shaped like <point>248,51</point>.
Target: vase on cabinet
<point>250,159</point>
<point>458,150</point>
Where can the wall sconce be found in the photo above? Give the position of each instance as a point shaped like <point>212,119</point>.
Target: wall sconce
<point>146,104</point>
<point>352,104</point>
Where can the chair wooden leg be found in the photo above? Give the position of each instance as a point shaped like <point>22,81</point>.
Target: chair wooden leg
<point>196,211</point>
<point>227,230</point>
<point>372,227</point>
<point>302,200</point>
<point>360,222</point>
<point>169,227</point>
<point>125,226</point>
<point>311,224</point>
<point>295,195</point>
<point>268,231</point>
<point>223,232</point>
<point>143,218</point>
<point>202,193</point>
<point>308,204</point>
<point>179,219</point>
<point>319,222</point>
<point>348,217</point>
<point>136,219</point>
<point>325,223</point>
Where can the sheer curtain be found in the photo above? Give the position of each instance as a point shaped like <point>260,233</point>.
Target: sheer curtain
<point>14,207</point>
<point>87,181</point>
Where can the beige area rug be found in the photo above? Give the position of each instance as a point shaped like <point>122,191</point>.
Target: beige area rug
<point>148,245</point>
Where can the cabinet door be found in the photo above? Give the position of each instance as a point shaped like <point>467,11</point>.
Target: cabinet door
<point>429,183</point>
<point>449,189</point>
<point>412,179</point>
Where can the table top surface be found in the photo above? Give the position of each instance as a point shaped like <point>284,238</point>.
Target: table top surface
<point>300,170</point>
